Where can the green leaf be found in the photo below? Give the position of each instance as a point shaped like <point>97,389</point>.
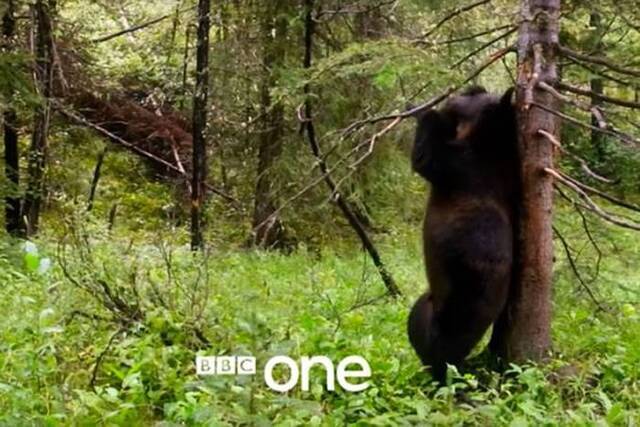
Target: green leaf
<point>31,262</point>
<point>386,77</point>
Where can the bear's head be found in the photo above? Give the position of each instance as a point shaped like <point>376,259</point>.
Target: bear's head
<point>470,144</point>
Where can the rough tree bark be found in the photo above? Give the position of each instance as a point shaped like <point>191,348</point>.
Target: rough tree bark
<point>199,125</point>
<point>13,221</point>
<point>39,142</point>
<point>525,331</point>
<point>267,227</point>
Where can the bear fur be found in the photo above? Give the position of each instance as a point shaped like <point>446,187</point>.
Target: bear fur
<point>468,152</point>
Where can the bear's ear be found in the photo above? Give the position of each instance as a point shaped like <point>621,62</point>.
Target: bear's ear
<point>507,99</point>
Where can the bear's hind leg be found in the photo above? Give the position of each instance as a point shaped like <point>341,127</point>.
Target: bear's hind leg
<point>419,327</point>
<point>423,336</point>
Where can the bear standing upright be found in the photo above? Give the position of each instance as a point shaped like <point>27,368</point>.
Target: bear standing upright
<point>468,152</point>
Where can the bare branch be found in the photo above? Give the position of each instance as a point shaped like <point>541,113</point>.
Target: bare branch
<point>578,207</point>
<point>177,169</point>
<point>628,139</point>
<point>598,96</point>
<point>485,46</point>
<point>595,111</point>
<point>599,73</point>
<point>308,126</point>
<point>583,162</point>
<point>535,76</point>
<point>103,353</point>
<point>591,205</point>
<point>473,36</point>
<point>603,195</point>
<point>598,61</point>
<point>452,15</point>
<point>587,230</point>
<point>575,270</point>
<point>138,27</point>
<point>352,11</point>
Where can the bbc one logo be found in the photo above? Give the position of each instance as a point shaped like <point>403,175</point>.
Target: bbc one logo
<point>345,374</point>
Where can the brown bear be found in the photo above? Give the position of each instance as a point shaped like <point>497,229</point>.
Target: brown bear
<point>467,150</point>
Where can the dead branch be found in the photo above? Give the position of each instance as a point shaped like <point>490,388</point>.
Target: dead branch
<point>352,11</point>
<point>598,96</point>
<point>594,110</point>
<point>583,163</point>
<point>453,14</point>
<point>138,27</point>
<point>592,240</point>
<point>473,36</point>
<point>591,205</point>
<point>597,60</point>
<point>115,138</point>
<point>599,73</point>
<point>579,208</point>
<point>603,195</point>
<point>575,270</point>
<point>103,353</point>
<point>485,46</point>
<point>628,139</point>
<point>307,124</point>
<point>535,76</point>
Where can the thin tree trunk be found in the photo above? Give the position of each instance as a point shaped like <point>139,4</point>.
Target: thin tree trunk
<point>342,203</point>
<point>200,124</point>
<point>266,223</point>
<point>185,65</point>
<point>39,143</point>
<point>524,332</point>
<point>221,140</point>
<point>112,216</point>
<point>597,87</point>
<point>96,178</point>
<point>13,220</point>
<point>369,24</point>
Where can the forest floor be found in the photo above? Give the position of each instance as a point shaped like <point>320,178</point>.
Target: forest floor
<point>56,328</point>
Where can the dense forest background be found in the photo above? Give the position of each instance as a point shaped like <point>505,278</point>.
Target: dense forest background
<point>308,213</point>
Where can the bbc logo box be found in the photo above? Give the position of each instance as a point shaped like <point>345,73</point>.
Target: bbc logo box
<point>225,365</point>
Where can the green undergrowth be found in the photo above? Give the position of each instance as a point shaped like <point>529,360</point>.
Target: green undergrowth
<point>55,328</point>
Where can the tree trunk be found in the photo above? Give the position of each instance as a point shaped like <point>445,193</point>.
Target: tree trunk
<point>369,24</point>
<point>267,228</point>
<point>524,332</point>
<point>185,67</point>
<point>13,220</point>
<point>597,87</point>
<point>96,178</point>
<point>199,125</point>
<point>39,143</point>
